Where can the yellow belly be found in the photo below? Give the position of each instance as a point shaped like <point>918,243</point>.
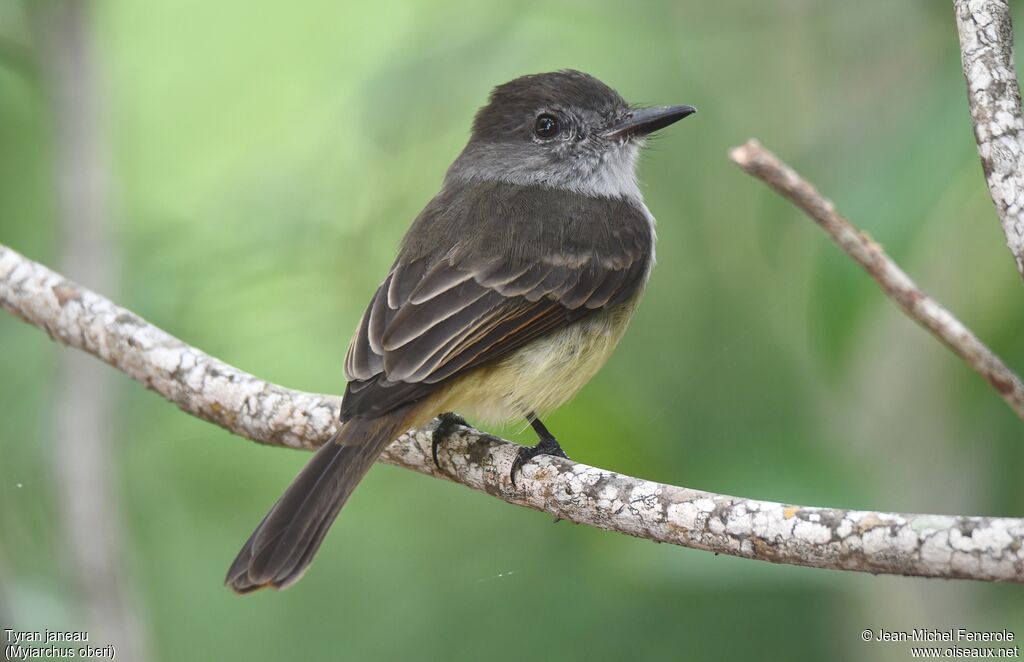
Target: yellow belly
<point>539,377</point>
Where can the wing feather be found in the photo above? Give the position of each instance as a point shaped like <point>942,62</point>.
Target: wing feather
<point>378,318</point>
<point>408,364</point>
<point>437,281</point>
<point>413,320</point>
<point>405,276</point>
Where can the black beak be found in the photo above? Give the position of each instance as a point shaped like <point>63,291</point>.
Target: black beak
<point>643,121</point>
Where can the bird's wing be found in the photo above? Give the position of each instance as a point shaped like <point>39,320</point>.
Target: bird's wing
<point>437,316</point>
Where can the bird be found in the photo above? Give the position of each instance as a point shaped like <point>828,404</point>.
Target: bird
<point>510,290</point>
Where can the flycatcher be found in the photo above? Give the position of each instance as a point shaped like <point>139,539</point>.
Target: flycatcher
<point>510,290</point>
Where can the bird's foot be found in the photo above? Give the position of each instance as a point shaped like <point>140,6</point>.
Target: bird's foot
<point>547,446</point>
<point>448,422</point>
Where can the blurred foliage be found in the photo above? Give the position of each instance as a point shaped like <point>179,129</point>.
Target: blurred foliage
<point>269,156</point>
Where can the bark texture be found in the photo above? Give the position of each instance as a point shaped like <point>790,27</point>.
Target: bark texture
<point>984,548</point>
<point>986,52</point>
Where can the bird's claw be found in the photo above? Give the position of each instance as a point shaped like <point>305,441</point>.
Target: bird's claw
<point>448,421</point>
<point>546,446</point>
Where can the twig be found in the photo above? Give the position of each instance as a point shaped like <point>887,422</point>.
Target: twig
<point>986,52</point>
<point>984,548</point>
<point>761,163</point>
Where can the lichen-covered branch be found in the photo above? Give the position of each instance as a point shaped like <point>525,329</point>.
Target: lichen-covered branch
<point>761,163</point>
<point>984,548</point>
<point>986,52</point>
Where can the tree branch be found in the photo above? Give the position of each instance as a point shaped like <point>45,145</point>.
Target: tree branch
<point>985,548</point>
<point>761,163</point>
<point>986,51</point>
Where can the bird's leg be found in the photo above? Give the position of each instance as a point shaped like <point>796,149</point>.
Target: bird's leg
<point>449,420</point>
<point>547,445</point>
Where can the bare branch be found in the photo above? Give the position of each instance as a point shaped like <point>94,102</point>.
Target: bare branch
<point>986,51</point>
<point>761,163</point>
<point>985,548</point>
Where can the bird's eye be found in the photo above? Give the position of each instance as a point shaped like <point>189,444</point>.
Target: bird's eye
<point>546,126</point>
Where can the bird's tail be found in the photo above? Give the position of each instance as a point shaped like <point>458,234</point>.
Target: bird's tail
<point>283,545</point>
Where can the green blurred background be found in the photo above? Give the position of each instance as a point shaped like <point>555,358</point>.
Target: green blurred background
<point>266,159</point>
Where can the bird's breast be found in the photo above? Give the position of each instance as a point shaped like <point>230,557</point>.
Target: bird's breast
<point>542,375</point>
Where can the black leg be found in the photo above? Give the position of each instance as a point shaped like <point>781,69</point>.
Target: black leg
<point>448,422</point>
<point>541,429</point>
<point>547,445</point>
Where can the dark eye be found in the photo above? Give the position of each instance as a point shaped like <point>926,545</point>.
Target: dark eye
<point>546,126</point>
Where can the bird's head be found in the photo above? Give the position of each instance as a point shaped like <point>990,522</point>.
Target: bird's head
<point>563,130</point>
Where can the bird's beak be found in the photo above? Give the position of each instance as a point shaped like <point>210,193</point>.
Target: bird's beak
<point>643,121</point>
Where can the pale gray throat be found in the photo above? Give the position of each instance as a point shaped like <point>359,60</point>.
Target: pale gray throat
<point>608,172</point>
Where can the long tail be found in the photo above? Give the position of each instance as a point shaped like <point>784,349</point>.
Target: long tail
<point>283,545</point>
